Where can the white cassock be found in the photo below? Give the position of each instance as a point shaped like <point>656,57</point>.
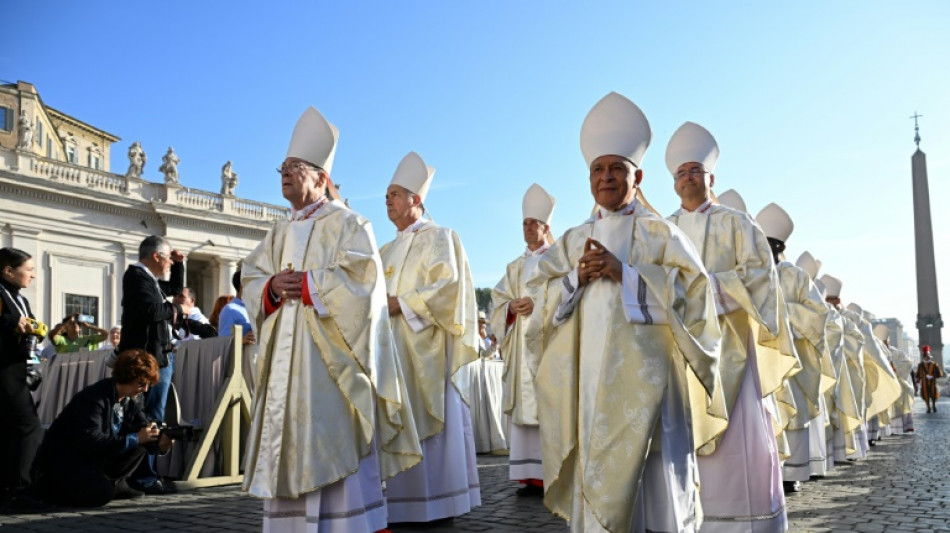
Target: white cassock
<point>522,346</point>
<point>329,418</point>
<point>436,334</point>
<point>741,478</point>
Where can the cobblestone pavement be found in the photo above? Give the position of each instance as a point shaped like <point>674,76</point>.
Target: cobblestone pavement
<point>901,487</point>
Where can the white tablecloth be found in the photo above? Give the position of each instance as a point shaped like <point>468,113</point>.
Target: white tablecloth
<point>485,391</point>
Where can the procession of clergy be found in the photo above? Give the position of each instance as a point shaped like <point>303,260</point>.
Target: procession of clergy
<point>662,374</point>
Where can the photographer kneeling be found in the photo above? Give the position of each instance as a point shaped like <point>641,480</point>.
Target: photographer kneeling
<point>100,438</point>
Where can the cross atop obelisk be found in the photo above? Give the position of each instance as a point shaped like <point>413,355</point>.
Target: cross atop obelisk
<point>915,116</point>
<point>929,321</point>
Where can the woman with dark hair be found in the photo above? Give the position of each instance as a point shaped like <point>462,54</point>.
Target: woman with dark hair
<point>218,306</point>
<point>20,429</point>
<point>100,438</point>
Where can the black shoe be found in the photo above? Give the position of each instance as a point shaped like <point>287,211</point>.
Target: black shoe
<point>23,503</point>
<point>871,443</point>
<point>123,491</point>
<point>155,489</point>
<point>791,486</point>
<point>170,487</point>
<point>530,490</point>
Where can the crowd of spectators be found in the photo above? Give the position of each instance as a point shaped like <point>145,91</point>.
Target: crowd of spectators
<point>103,444</point>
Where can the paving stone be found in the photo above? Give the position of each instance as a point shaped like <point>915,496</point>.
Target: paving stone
<point>902,487</point>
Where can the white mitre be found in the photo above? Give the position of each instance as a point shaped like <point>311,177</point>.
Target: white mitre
<point>775,222</point>
<point>615,126</point>
<point>809,264</point>
<point>832,286</point>
<point>537,204</point>
<point>314,140</point>
<point>692,143</point>
<point>855,308</point>
<point>732,199</point>
<point>821,288</point>
<point>413,175</point>
<point>881,332</point>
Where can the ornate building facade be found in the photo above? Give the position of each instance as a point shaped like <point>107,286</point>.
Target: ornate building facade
<point>83,224</point>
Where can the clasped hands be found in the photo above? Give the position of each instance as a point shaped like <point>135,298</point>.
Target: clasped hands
<point>596,263</point>
<point>521,306</point>
<point>287,284</point>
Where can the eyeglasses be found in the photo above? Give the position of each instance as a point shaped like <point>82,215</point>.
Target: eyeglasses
<point>296,166</point>
<point>693,173</point>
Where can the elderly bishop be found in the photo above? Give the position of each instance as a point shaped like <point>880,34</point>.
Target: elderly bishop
<point>629,319</point>
<point>517,317</point>
<point>330,420</point>
<point>433,312</point>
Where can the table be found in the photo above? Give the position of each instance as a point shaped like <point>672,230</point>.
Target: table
<point>485,394</point>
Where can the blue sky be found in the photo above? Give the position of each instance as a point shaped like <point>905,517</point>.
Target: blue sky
<point>809,102</point>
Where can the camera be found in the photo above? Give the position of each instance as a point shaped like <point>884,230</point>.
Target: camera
<point>85,319</point>
<point>183,432</point>
<point>39,329</point>
<point>33,378</point>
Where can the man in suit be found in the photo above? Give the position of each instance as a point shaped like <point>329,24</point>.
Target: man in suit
<point>148,320</point>
<point>100,438</point>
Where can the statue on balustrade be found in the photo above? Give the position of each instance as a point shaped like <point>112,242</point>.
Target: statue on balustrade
<point>170,166</point>
<point>136,161</point>
<point>26,132</point>
<point>229,180</point>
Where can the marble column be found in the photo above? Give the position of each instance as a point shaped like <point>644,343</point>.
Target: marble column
<point>226,269</point>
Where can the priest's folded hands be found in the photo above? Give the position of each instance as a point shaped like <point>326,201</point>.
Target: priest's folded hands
<point>596,263</point>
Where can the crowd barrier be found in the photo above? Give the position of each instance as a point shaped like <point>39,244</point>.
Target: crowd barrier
<point>212,393</point>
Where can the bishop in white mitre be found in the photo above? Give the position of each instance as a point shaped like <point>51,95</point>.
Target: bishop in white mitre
<point>851,442</point>
<point>629,320</point>
<point>807,314</point>
<point>330,420</point>
<point>518,320</point>
<point>902,414</point>
<point>882,389</point>
<point>433,313</point>
<point>811,302</point>
<point>740,469</point>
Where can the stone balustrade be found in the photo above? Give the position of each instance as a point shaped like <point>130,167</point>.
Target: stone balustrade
<point>108,183</point>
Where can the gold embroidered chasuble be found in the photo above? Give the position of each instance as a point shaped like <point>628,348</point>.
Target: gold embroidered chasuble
<point>736,254</point>
<point>881,385</point>
<point>807,315</point>
<point>427,269</point>
<point>903,368</point>
<point>327,385</point>
<point>522,342</point>
<point>847,395</point>
<point>602,378</point>
<point>854,355</point>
